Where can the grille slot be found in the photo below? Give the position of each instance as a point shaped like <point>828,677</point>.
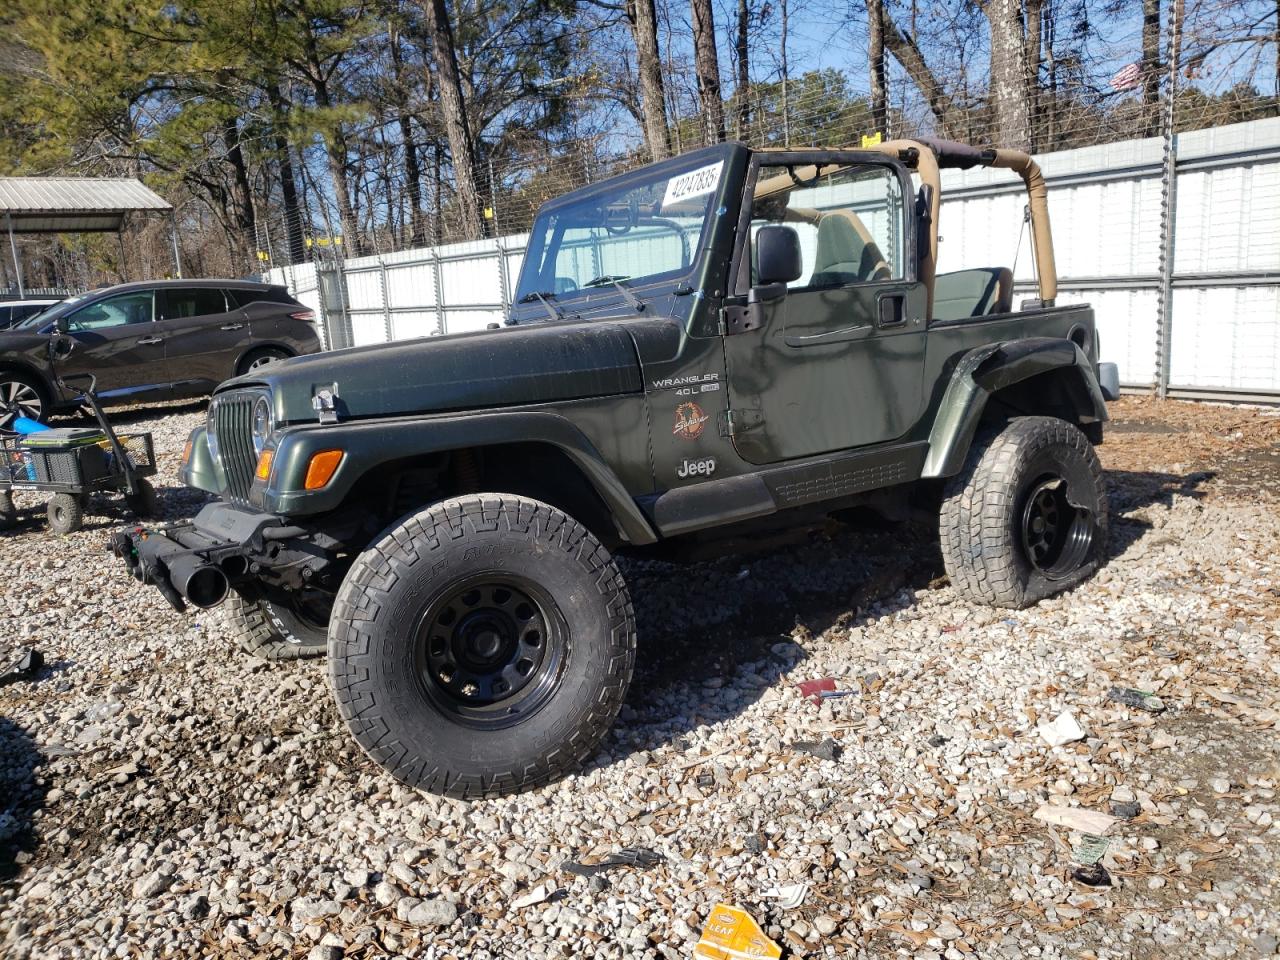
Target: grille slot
<point>233,424</point>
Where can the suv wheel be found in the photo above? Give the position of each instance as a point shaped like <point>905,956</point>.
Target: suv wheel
<point>1027,516</point>
<point>482,646</point>
<point>20,396</point>
<point>291,626</point>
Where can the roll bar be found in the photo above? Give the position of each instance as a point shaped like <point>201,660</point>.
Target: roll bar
<point>927,156</point>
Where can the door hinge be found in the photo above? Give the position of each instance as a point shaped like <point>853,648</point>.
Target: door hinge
<point>740,319</point>
<point>735,422</point>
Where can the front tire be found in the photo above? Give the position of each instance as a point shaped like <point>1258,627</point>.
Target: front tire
<point>1027,516</point>
<point>482,646</point>
<point>280,627</point>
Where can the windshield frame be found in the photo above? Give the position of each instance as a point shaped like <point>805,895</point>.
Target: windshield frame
<point>547,230</point>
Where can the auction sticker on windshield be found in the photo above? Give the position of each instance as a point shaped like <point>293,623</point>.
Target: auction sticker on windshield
<point>695,183</point>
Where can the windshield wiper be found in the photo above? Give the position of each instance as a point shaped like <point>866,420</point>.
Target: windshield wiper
<point>544,298</point>
<point>616,281</point>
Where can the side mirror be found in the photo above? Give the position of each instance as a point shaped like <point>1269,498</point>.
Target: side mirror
<point>62,324</point>
<point>777,255</point>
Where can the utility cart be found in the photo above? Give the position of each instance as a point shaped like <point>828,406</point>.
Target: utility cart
<point>73,463</point>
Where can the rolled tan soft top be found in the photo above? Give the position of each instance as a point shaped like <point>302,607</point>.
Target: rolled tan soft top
<point>933,155</point>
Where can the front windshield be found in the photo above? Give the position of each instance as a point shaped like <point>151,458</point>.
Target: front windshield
<point>47,314</point>
<point>645,231</point>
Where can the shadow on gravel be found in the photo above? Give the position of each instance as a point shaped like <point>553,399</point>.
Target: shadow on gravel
<point>708,631</point>
<point>1131,490</point>
<point>20,795</point>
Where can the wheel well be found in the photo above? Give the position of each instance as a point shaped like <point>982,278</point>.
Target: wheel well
<point>1058,393</point>
<point>537,470</point>
<point>242,365</point>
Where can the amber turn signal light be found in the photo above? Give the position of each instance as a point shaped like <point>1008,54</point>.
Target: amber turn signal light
<point>186,452</point>
<point>321,469</point>
<point>264,464</point>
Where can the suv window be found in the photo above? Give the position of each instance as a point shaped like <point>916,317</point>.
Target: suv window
<point>176,303</point>
<point>123,308</point>
<point>243,297</point>
<point>850,221</point>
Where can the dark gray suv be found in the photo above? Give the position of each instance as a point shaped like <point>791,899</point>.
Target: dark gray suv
<point>162,340</point>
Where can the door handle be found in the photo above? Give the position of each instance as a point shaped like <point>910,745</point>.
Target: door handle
<point>231,326</point>
<point>891,310</point>
<point>149,341</point>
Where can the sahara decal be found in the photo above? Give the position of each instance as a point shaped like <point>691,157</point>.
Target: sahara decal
<point>690,421</point>
<point>697,468</point>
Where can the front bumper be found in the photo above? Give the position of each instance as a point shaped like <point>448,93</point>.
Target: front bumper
<point>199,561</point>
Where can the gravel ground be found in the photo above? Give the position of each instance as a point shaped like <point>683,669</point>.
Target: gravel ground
<point>162,794</point>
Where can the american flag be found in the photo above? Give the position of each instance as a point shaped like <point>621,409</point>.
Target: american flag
<point>1128,78</point>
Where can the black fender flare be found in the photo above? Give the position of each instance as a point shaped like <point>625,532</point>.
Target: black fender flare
<point>984,370</point>
<point>367,444</point>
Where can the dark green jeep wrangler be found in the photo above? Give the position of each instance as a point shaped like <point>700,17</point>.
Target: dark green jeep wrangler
<point>729,338</point>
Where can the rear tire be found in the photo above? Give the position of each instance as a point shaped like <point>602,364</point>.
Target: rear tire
<point>65,513</point>
<point>260,358</point>
<point>1027,516</point>
<point>482,646</point>
<point>277,629</point>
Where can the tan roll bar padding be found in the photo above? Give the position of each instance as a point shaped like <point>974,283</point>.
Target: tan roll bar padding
<point>1041,236</point>
<point>927,167</point>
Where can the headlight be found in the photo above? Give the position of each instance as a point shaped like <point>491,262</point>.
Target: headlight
<point>262,424</point>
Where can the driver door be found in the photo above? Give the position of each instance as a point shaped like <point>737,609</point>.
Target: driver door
<point>835,359</point>
<point>116,340</point>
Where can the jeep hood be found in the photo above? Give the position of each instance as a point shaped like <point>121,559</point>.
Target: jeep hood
<point>536,363</point>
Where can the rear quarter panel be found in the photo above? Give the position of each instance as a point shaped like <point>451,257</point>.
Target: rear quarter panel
<point>272,324</point>
<point>949,341</point>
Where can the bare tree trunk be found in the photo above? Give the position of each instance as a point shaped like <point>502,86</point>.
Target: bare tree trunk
<point>875,57</point>
<point>241,194</point>
<point>293,226</point>
<point>412,168</point>
<point>1050,103</point>
<point>742,91</point>
<point>336,152</point>
<point>708,69</point>
<point>1008,74</point>
<point>786,100</point>
<point>454,110</point>
<point>643,19</point>
<point>1033,59</point>
<point>908,54</point>
<point>1151,66</point>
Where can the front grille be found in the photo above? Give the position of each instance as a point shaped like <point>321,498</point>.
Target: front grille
<point>231,419</point>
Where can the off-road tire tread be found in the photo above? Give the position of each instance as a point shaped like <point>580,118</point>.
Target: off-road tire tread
<point>259,637</point>
<point>980,558</point>
<point>412,540</point>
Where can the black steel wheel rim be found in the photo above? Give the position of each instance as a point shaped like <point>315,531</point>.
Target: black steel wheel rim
<point>18,399</point>
<point>490,649</point>
<point>1056,535</point>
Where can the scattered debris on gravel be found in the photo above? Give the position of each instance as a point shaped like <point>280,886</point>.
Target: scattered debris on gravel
<point>162,794</point>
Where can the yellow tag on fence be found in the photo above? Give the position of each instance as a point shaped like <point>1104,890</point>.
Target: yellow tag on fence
<point>872,140</point>
<point>731,934</point>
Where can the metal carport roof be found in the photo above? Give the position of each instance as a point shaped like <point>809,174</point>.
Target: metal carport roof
<point>76,205</point>
<point>73,204</point>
